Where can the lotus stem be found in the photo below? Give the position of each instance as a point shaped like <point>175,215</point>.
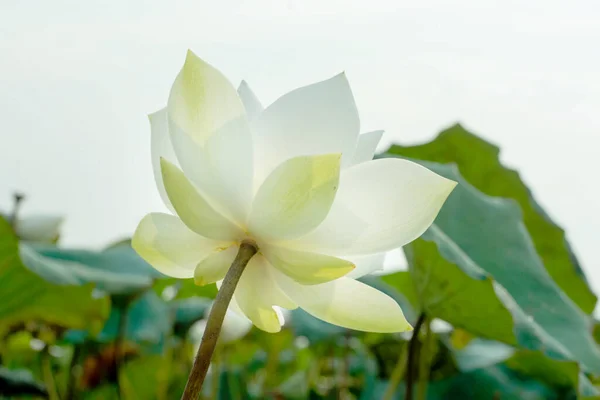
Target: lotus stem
<point>119,342</point>
<point>425,361</point>
<point>413,354</point>
<point>48,375</point>
<point>397,374</point>
<point>215,320</point>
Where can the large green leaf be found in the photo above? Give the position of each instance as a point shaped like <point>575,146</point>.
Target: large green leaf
<point>477,268</point>
<point>478,162</point>
<point>558,374</point>
<point>25,296</point>
<point>117,270</point>
<point>563,376</point>
<point>493,382</point>
<point>402,281</point>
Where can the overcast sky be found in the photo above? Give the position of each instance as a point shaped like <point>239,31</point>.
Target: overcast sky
<point>77,79</point>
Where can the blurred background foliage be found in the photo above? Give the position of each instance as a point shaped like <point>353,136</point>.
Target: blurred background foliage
<point>501,307</point>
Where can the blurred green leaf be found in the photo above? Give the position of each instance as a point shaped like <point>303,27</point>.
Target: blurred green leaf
<point>25,296</point>
<point>117,270</point>
<point>480,353</point>
<point>188,311</point>
<point>184,288</point>
<point>20,382</point>
<point>476,268</point>
<point>564,376</point>
<point>145,378</point>
<point>479,163</point>
<point>60,271</point>
<point>295,387</point>
<point>403,282</point>
<point>104,392</point>
<point>232,385</point>
<point>555,373</point>
<point>149,321</point>
<point>313,328</point>
<point>494,382</point>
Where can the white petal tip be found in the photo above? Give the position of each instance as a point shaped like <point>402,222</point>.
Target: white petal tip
<point>153,115</point>
<point>450,186</point>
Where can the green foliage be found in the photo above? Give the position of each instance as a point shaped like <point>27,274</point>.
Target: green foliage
<point>493,265</point>
<point>110,271</point>
<point>25,296</point>
<point>479,163</point>
<point>477,248</point>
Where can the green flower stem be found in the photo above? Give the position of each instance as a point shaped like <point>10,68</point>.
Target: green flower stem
<point>119,341</point>
<point>215,321</point>
<point>48,375</point>
<point>413,355</point>
<point>425,361</point>
<point>397,375</point>
<point>73,376</point>
<point>216,373</point>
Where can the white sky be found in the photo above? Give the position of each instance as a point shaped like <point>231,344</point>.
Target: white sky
<point>77,79</point>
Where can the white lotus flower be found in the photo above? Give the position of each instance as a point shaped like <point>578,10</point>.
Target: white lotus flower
<point>299,180</point>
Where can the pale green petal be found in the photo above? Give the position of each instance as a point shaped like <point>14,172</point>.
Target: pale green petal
<point>350,304</point>
<point>381,205</point>
<point>193,209</point>
<point>196,166</point>
<point>258,292</point>
<point>306,268</point>
<point>230,154</point>
<point>251,103</point>
<point>161,147</point>
<point>366,146</point>
<point>170,246</point>
<point>202,100</point>
<point>214,267</point>
<point>296,197</point>
<point>211,137</point>
<point>317,119</point>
